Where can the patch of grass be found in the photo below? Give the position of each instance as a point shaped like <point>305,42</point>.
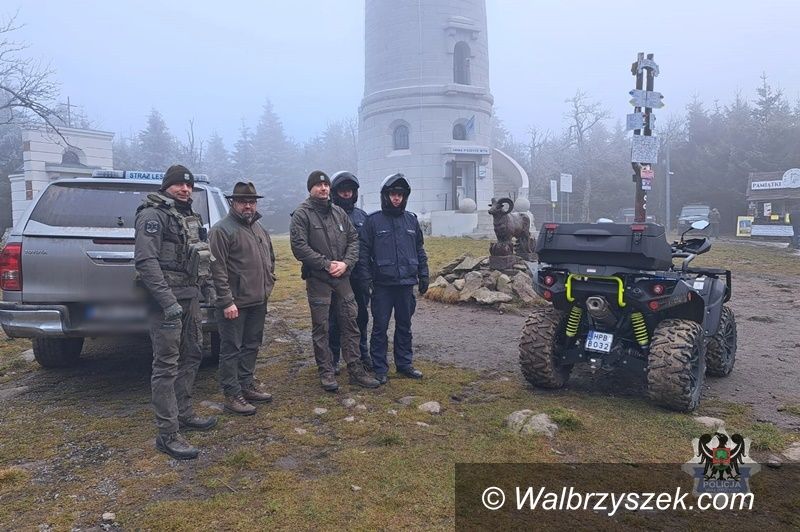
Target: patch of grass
<point>241,459</point>
<point>12,475</point>
<point>766,437</point>
<point>565,418</point>
<point>790,408</point>
<point>387,440</point>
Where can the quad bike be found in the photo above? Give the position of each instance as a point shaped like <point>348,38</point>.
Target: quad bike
<point>618,300</point>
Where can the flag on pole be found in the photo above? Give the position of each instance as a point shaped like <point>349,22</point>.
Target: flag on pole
<point>470,126</point>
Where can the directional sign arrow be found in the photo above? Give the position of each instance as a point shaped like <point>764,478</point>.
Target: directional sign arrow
<point>647,63</point>
<point>642,98</point>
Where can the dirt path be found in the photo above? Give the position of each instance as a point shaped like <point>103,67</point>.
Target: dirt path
<point>766,376</point>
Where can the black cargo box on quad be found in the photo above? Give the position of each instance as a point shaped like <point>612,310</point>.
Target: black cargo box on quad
<point>636,246</point>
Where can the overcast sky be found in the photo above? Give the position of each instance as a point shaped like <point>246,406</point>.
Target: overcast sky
<point>217,62</point>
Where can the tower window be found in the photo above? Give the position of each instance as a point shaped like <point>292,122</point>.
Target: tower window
<point>459,132</point>
<point>401,137</point>
<point>461,57</point>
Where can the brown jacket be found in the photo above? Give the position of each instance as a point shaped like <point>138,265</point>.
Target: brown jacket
<point>244,265</point>
<point>321,233</point>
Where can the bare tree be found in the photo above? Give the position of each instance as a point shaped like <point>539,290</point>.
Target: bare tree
<point>583,116</point>
<point>27,89</point>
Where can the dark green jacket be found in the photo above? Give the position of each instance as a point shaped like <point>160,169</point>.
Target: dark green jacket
<point>244,265</point>
<point>321,233</point>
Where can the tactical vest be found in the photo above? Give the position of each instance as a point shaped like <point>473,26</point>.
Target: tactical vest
<point>193,255</point>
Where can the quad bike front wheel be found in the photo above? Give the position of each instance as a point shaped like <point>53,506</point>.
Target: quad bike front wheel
<point>538,349</point>
<point>676,365</point>
<point>721,349</point>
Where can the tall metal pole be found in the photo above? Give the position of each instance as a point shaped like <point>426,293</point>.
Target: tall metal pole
<point>668,220</point>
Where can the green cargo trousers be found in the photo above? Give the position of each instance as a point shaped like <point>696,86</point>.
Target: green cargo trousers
<point>319,301</point>
<point>177,352</point>
<point>240,339</point>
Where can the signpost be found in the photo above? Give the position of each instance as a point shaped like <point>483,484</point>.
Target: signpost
<point>566,188</point>
<point>644,145</point>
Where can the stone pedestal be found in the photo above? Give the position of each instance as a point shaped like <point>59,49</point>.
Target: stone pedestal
<point>503,262</point>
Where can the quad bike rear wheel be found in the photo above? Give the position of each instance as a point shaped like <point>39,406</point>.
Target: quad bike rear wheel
<point>721,349</point>
<point>676,365</point>
<point>538,349</point>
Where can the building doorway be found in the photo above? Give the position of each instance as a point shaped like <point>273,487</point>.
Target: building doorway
<point>463,175</point>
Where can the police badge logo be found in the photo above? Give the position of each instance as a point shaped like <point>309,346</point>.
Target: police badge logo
<point>152,226</point>
<point>721,463</point>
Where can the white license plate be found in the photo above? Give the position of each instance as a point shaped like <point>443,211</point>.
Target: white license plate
<point>599,341</point>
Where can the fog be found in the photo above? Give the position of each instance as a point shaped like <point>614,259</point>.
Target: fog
<point>117,60</point>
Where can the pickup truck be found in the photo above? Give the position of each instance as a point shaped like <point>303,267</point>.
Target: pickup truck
<point>690,214</point>
<point>67,271</point>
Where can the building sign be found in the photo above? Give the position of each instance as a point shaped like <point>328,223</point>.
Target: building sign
<point>566,183</point>
<point>767,209</point>
<point>791,179</point>
<point>468,150</point>
<point>744,225</point>
<point>553,190</point>
<point>771,230</point>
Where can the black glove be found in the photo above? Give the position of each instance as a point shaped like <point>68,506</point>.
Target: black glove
<point>423,284</point>
<point>173,312</point>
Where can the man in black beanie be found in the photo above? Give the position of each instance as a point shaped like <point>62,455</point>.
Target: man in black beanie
<point>324,240</point>
<point>172,261</point>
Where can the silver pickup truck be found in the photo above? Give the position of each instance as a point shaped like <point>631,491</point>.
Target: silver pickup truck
<point>67,272</point>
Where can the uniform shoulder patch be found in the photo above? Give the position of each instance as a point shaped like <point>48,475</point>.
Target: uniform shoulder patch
<point>152,226</point>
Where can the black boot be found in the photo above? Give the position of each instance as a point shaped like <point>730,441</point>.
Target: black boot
<point>176,446</point>
<point>195,422</point>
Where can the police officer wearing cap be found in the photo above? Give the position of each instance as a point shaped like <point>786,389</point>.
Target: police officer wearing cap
<point>324,240</point>
<point>344,193</point>
<point>172,261</point>
<point>392,251</point>
<point>244,275</point>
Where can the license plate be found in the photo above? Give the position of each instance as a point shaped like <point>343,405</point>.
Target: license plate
<point>599,341</point>
<point>115,313</point>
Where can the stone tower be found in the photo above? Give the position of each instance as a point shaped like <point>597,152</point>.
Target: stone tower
<point>427,109</point>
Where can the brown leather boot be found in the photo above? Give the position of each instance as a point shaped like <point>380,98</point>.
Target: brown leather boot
<point>253,393</point>
<point>237,404</point>
<point>328,382</point>
<point>360,377</point>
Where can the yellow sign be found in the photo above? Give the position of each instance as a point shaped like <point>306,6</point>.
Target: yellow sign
<point>744,225</point>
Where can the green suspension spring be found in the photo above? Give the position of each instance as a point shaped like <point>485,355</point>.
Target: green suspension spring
<point>574,321</point>
<point>639,329</point>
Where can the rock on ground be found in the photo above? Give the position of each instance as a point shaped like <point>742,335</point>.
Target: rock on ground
<point>319,411</point>
<point>527,423</point>
<point>710,422</point>
<point>407,400</point>
<point>793,452</point>
<point>349,402</point>
<point>490,297</point>
<point>432,407</point>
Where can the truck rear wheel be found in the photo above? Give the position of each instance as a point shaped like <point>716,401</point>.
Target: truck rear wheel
<point>676,365</point>
<point>57,352</point>
<point>721,350</point>
<point>538,349</point>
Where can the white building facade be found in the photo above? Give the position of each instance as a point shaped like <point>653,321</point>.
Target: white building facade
<point>48,156</point>
<point>427,111</point>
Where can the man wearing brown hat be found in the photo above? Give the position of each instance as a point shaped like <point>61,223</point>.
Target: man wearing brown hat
<point>244,274</point>
<point>172,261</point>
<point>324,239</point>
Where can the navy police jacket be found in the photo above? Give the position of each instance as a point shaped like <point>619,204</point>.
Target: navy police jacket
<point>359,218</point>
<point>391,249</point>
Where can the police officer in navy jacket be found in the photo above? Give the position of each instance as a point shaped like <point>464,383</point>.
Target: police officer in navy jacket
<point>392,253</point>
